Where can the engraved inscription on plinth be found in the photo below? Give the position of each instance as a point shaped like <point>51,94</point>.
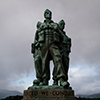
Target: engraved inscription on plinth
<point>48,94</point>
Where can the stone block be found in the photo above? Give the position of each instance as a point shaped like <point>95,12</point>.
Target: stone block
<point>48,94</point>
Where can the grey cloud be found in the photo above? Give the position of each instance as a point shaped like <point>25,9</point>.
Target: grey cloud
<point>17,29</point>
<point>85,82</point>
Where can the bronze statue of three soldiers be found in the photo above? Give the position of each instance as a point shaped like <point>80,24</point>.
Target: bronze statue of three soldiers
<point>51,43</point>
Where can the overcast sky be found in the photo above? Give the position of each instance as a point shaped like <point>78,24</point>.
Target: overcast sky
<point>18,19</point>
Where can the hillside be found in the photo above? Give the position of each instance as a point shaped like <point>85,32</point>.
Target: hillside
<point>89,96</point>
<point>6,93</point>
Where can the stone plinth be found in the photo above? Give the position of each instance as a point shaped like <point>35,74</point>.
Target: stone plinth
<point>49,94</point>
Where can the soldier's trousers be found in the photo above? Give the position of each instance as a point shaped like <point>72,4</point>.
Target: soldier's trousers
<point>53,51</point>
<point>38,65</point>
<point>65,61</point>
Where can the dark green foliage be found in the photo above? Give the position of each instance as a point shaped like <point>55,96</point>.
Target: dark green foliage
<point>13,98</point>
<point>79,98</point>
<point>20,97</point>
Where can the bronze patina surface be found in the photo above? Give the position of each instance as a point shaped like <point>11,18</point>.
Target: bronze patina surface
<point>51,43</point>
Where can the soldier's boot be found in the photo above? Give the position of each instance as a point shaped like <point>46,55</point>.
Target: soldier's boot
<point>45,82</point>
<point>36,82</point>
<point>63,83</point>
<point>55,82</point>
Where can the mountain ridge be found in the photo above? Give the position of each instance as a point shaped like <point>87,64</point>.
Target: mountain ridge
<point>6,93</point>
<point>95,95</point>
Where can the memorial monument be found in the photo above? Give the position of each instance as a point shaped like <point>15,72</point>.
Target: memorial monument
<point>50,43</point>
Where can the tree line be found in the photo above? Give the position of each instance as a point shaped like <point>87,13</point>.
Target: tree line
<point>20,98</point>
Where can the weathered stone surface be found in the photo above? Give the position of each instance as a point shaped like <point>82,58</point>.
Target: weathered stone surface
<point>48,94</point>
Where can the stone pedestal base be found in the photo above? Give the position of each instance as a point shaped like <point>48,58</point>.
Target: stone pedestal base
<point>49,94</point>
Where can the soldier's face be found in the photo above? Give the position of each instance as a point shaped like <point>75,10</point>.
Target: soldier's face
<point>48,15</point>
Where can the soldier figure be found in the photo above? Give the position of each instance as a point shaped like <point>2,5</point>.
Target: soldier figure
<point>35,49</point>
<point>65,48</point>
<point>50,50</point>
